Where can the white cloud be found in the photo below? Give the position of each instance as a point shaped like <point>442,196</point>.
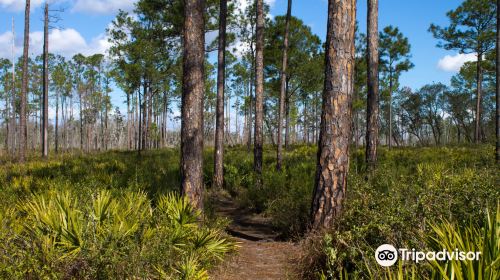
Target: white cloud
<point>18,5</point>
<point>66,42</point>
<point>5,45</point>
<point>453,63</point>
<point>102,6</point>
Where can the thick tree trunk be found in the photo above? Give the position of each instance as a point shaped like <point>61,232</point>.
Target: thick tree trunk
<point>23,129</point>
<point>259,89</point>
<point>45,100</point>
<point>372,102</point>
<point>333,150</point>
<point>479,79</point>
<point>193,89</point>
<point>218,179</point>
<point>497,122</point>
<point>279,157</point>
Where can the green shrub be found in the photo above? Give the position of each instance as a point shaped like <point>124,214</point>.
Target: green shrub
<point>109,237</point>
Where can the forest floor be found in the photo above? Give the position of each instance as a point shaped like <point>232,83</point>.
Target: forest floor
<point>261,254</point>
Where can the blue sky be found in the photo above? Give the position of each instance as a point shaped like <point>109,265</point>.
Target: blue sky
<point>83,23</point>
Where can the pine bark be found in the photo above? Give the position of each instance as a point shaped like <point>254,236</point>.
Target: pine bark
<point>193,89</point>
<point>45,100</point>
<point>333,149</point>
<point>373,94</point>
<point>279,156</point>
<point>218,179</point>
<point>259,89</point>
<point>23,129</point>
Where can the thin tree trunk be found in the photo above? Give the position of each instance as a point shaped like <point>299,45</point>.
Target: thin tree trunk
<point>56,136</point>
<point>373,97</point>
<point>45,101</point>
<point>12,116</point>
<point>259,89</point>
<point>218,179</point>
<point>129,138</point>
<point>287,116</point>
<point>81,119</point>
<point>250,110</point>
<point>23,141</point>
<point>390,111</point>
<point>479,77</point>
<point>333,151</point>
<point>193,90</point>
<point>279,157</point>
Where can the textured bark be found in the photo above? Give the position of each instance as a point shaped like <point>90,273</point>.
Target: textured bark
<point>45,99</point>
<point>479,79</point>
<point>333,147</point>
<point>259,89</point>
<point>218,179</point>
<point>23,129</point>
<point>497,123</point>
<point>373,95</point>
<point>193,89</point>
<point>279,157</point>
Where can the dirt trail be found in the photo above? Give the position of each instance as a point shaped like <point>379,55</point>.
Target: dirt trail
<point>261,255</point>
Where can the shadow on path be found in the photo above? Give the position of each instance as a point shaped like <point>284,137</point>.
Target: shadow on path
<point>261,256</point>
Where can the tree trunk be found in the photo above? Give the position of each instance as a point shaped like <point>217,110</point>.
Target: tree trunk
<point>259,89</point>
<point>250,110</point>
<point>23,141</point>
<point>287,118</point>
<point>479,79</point>
<point>150,116</point>
<point>333,151</point>
<point>373,97</point>
<point>56,136</point>
<point>193,89</point>
<point>219,122</point>
<point>390,111</point>
<point>45,101</point>
<point>129,138</point>
<point>279,157</point>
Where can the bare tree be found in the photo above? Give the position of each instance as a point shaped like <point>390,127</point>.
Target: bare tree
<point>259,89</point>
<point>193,89</point>
<point>279,157</point>
<point>333,149</point>
<point>372,102</point>
<point>23,129</point>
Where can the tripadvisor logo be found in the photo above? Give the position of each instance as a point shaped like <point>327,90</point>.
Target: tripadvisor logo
<point>387,255</point>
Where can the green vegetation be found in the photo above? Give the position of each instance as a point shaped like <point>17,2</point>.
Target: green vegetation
<point>110,216</point>
<point>113,215</point>
<point>401,203</point>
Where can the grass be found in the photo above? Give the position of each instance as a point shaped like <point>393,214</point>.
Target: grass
<point>68,213</point>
